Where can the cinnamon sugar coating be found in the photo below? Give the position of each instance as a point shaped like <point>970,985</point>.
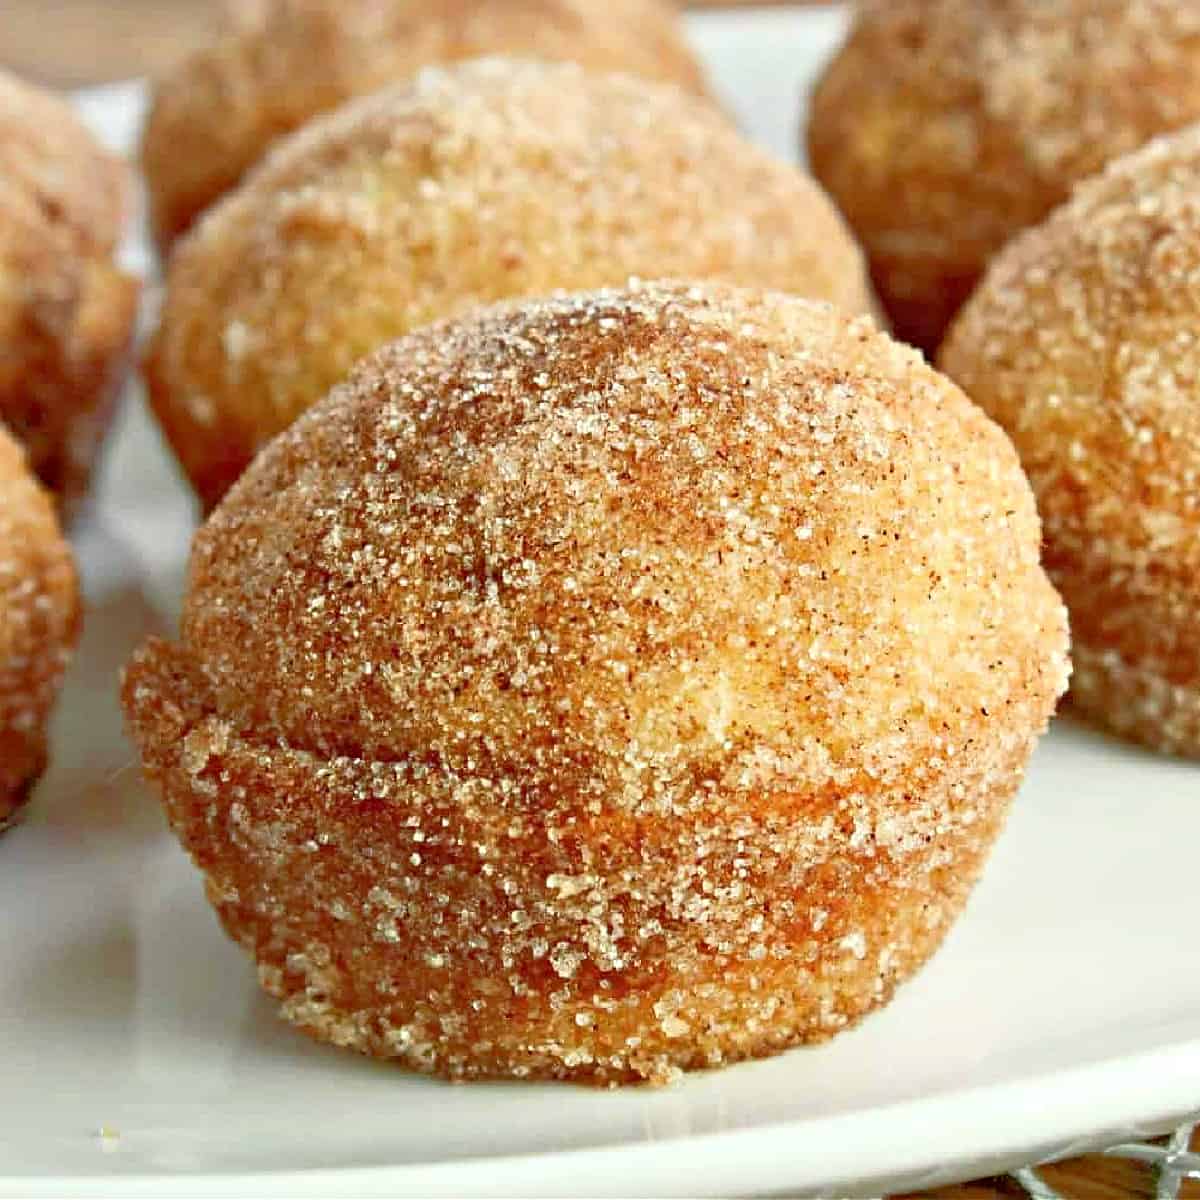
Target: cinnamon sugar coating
<point>285,62</point>
<point>39,613</point>
<point>944,127</point>
<point>494,179</point>
<point>66,311</point>
<point>606,685</point>
<point>1083,341</point>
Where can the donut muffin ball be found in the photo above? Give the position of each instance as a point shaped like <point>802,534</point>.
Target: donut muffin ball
<point>944,127</point>
<point>287,61</point>
<point>1083,341</point>
<point>606,685</point>
<point>491,180</point>
<point>66,311</point>
<point>39,612</point>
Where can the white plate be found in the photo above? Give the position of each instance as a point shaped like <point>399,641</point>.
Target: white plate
<point>1064,1009</point>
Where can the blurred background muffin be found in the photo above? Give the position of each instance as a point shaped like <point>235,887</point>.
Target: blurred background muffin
<point>1083,341</point>
<point>280,63</point>
<point>66,310</point>
<point>39,615</point>
<point>477,182</point>
<point>946,126</point>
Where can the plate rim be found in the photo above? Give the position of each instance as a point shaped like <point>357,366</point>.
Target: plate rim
<point>1093,1104</point>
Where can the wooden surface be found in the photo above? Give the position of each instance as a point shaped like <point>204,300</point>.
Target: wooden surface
<point>74,42</point>
<point>1093,1177</point>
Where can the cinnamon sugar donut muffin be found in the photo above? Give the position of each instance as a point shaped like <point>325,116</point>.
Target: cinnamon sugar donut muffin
<point>944,127</point>
<point>606,685</point>
<point>493,179</point>
<point>39,612</point>
<point>66,310</point>
<point>287,61</point>
<point>1083,341</point>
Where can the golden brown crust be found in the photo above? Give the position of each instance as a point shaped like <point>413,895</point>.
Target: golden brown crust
<point>48,156</point>
<point>606,685</point>
<point>946,126</point>
<point>39,614</point>
<point>1082,342</point>
<point>492,179</point>
<point>290,60</point>
<point>66,311</point>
